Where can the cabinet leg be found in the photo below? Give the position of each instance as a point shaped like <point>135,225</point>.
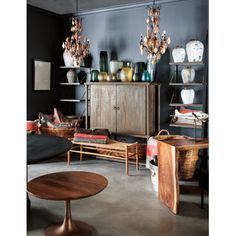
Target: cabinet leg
<point>68,158</point>
<point>137,157</point>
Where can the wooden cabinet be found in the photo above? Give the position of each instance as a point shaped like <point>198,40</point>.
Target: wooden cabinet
<point>125,108</point>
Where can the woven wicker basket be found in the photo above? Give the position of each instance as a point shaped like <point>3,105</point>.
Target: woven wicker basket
<point>61,132</point>
<point>187,159</point>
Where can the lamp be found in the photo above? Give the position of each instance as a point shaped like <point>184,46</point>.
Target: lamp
<point>77,45</point>
<point>154,43</point>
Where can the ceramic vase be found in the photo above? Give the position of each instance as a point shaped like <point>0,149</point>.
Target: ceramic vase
<point>194,49</point>
<point>68,60</point>
<point>187,95</point>
<point>188,75</point>
<point>178,54</point>
<point>70,76</point>
<point>115,66</point>
<point>102,77</point>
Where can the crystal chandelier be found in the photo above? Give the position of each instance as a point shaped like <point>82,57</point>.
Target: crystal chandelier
<point>154,43</point>
<point>77,45</point>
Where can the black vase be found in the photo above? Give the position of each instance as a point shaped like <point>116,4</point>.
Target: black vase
<point>103,63</point>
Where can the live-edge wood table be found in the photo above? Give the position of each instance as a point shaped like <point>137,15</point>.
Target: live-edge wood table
<point>168,162</point>
<point>113,150</point>
<point>67,186</point>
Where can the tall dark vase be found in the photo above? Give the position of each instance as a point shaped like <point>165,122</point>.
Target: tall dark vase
<point>103,63</point>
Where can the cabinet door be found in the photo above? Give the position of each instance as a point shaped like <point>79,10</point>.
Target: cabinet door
<point>131,111</point>
<point>102,103</point>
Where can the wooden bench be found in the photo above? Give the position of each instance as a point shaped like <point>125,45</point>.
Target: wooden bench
<point>113,150</point>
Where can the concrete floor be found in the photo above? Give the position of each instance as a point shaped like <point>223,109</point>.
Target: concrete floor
<point>127,207</point>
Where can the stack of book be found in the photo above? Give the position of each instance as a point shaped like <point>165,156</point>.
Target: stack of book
<point>185,116</point>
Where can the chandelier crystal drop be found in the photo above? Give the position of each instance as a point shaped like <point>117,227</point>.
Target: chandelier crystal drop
<point>154,43</point>
<point>77,45</point>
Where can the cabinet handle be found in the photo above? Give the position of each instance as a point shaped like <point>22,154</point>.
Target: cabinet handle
<point>114,108</point>
<point>117,108</point>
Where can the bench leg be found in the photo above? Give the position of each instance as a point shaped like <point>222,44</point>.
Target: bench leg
<point>126,161</point>
<point>81,154</point>
<point>68,158</point>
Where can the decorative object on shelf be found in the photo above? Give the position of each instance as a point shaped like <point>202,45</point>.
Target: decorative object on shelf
<point>194,49</point>
<point>71,76</point>
<point>102,76</point>
<point>126,74</point>
<point>146,76</point>
<point>67,57</point>
<point>187,95</point>
<point>178,54</point>
<point>138,71</point>
<point>94,75</point>
<point>151,68</point>
<point>115,66</point>
<point>103,62</point>
<point>135,77</point>
<point>188,75</point>
<point>118,75</point>
<point>154,43</point>
<point>77,45</point>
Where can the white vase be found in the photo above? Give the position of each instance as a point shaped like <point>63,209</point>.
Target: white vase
<point>188,75</point>
<point>194,49</point>
<point>178,54</point>
<point>115,66</point>
<point>187,95</point>
<point>68,60</point>
<point>70,76</point>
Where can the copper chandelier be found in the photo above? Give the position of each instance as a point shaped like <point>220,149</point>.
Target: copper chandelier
<point>76,44</point>
<point>154,43</point>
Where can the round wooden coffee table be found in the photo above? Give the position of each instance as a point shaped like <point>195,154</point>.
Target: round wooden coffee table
<point>67,186</point>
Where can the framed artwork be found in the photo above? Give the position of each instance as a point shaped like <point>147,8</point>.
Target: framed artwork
<point>42,75</point>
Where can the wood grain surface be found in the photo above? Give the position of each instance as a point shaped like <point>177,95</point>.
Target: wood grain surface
<point>168,165</point>
<point>68,185</point>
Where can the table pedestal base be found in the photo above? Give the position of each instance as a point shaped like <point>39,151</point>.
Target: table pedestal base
<point>69,227</point>
<point>78,228</point>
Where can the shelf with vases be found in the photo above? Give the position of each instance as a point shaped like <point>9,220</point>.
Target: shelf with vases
<point>70,84</point>
<point>71,100</point>
<point>187,63</point>
<point>186,84</point>
<point>185,105</point>
<point>83,68</point>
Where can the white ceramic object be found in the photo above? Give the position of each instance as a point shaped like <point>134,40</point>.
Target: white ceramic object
<point>187,95</point>
<point>115,66</point>
<point>188,75</point>
<point>194,49</point>
<point>178,54</point>
<point>68,60</point>
<point>70,76</point>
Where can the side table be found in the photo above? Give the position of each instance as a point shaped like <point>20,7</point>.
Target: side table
<point>67,186</point>
<point>168,163</point>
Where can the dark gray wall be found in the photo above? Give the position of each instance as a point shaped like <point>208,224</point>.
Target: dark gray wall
<point>43,30</point>
<point>119,32</point>
<point>114,31</point>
